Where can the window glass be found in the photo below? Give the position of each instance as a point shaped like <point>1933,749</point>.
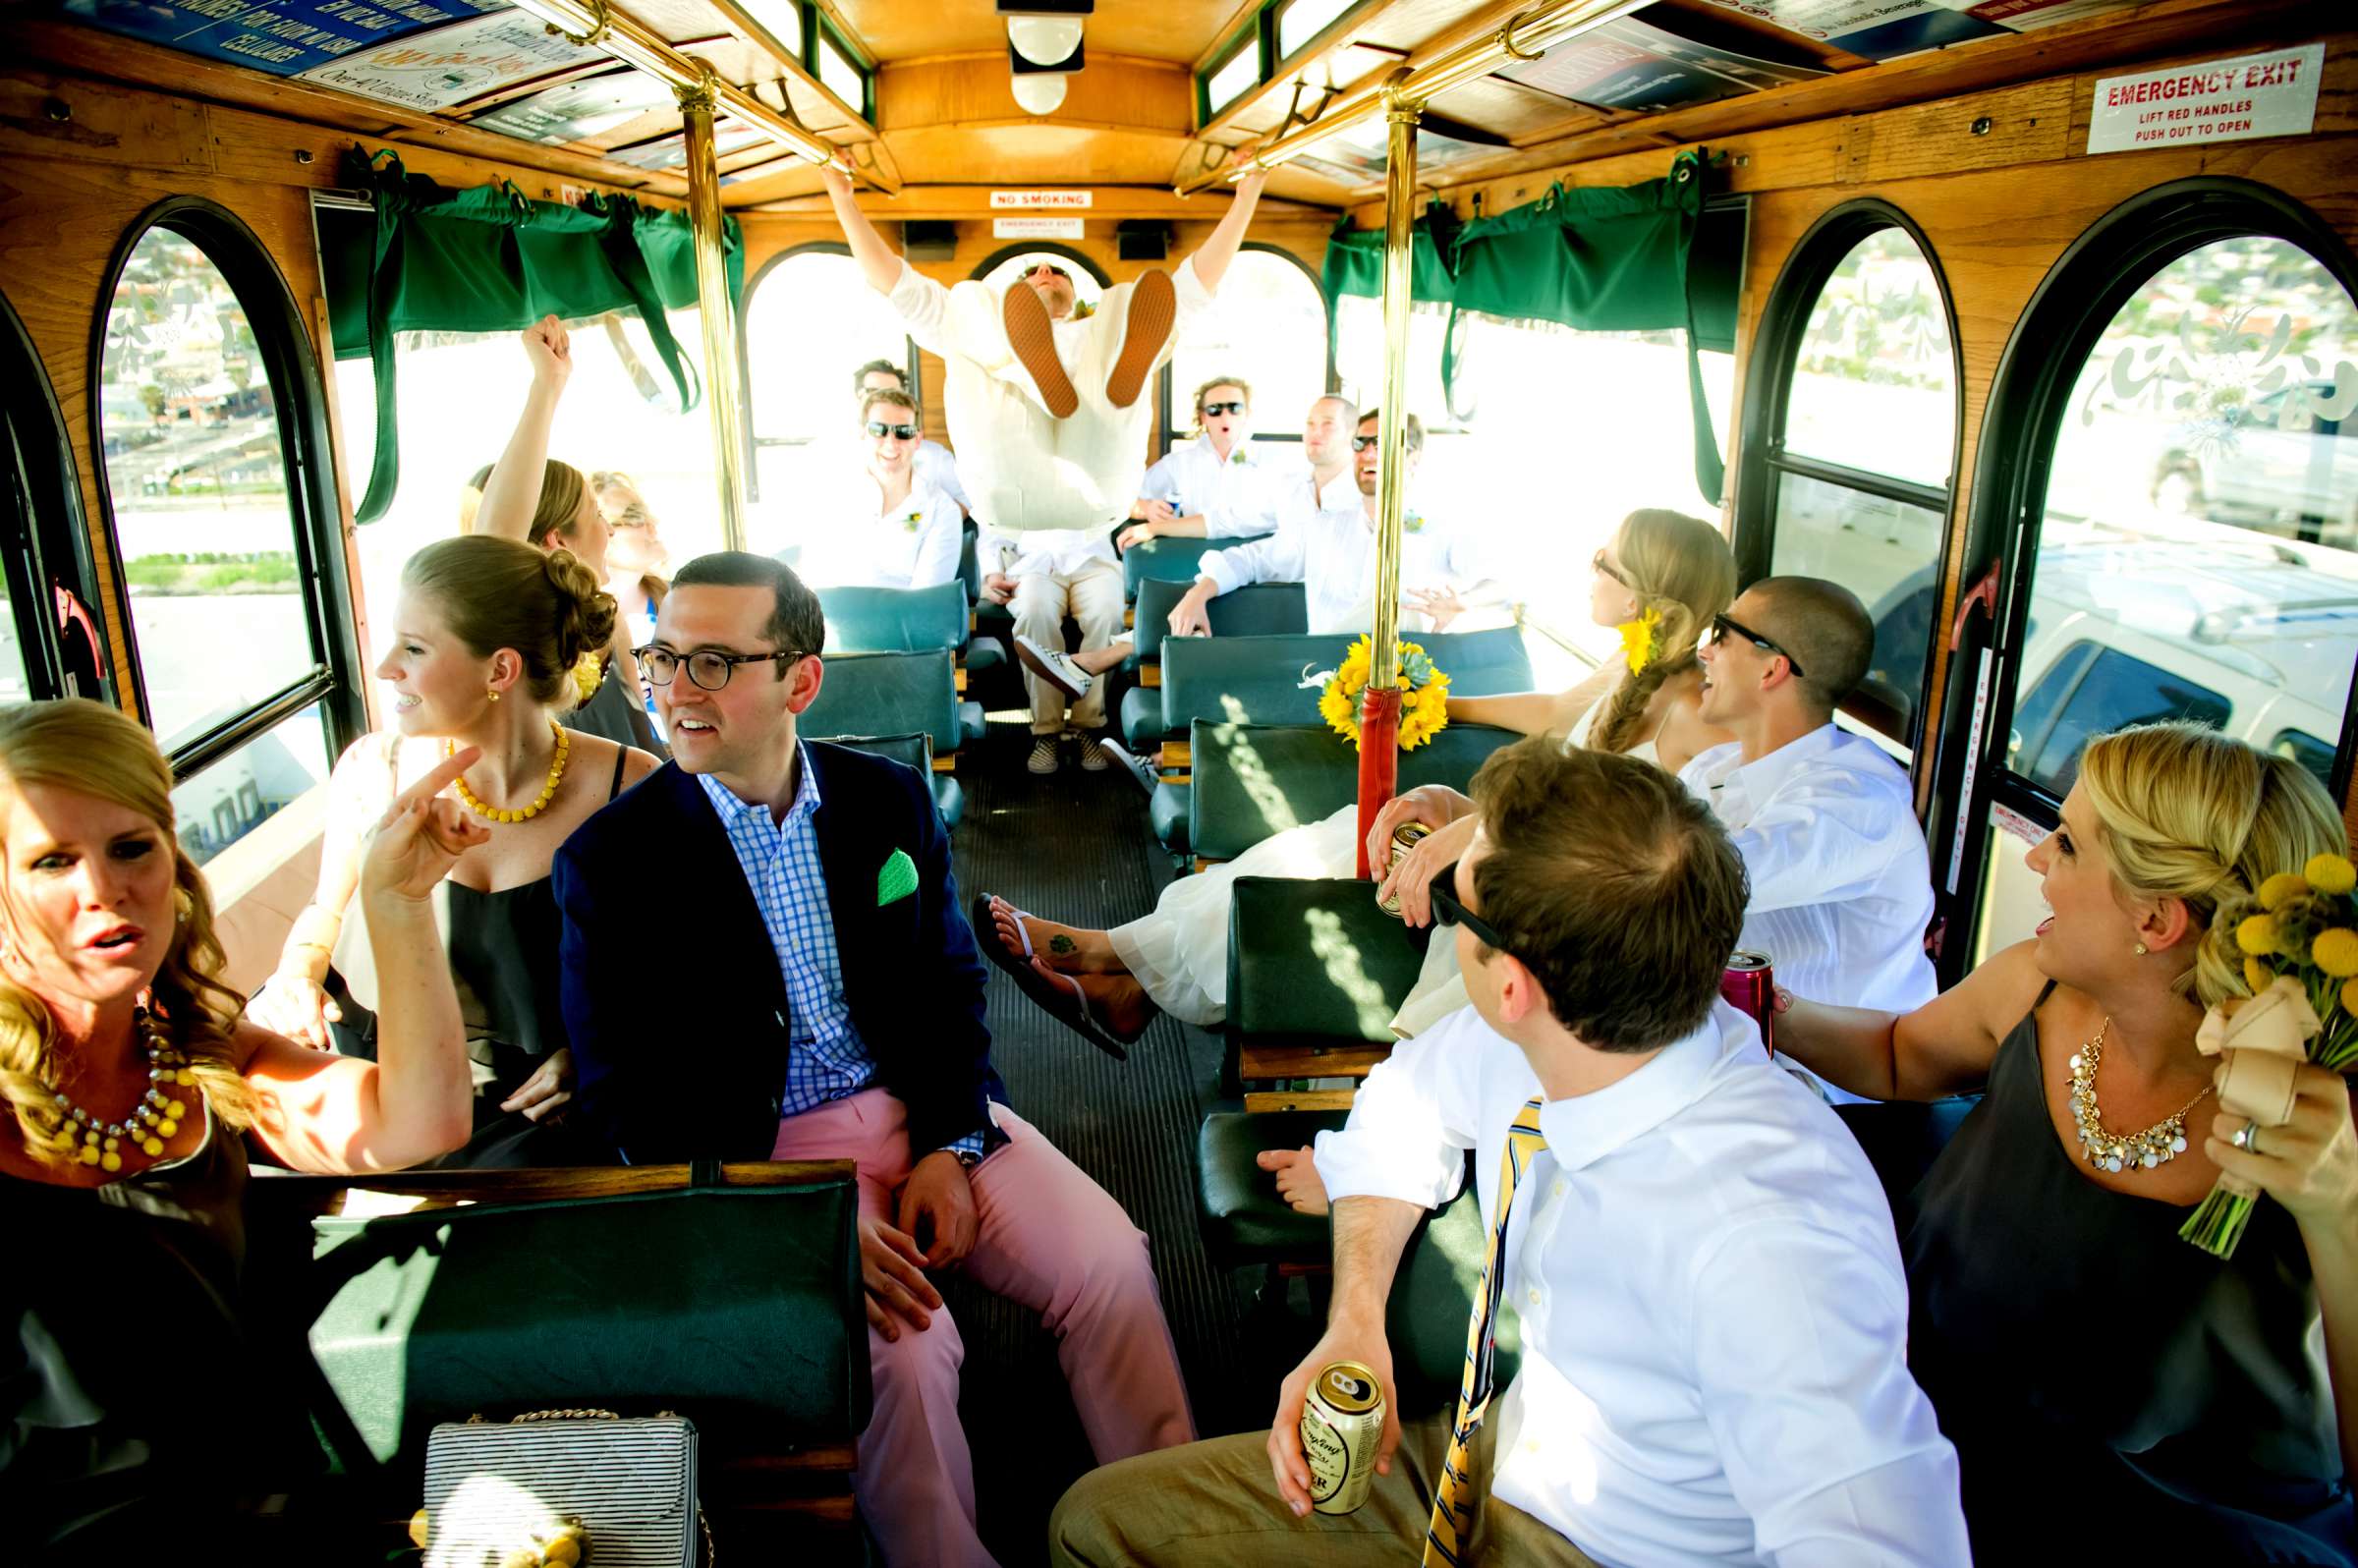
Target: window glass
<point>236,793</point>
<point>840,75</point>
<point>2011,905</point>
<point>2307,749</point>
<point>2108,693</point>
<point>1886,553</point>
<point>1301,20</point>
<point>14,675</point>
<point>2201,509</point>
<point>1235,77</point>
<point>1874,383</point>
<point>1272,330</point>
<point>189,426</point>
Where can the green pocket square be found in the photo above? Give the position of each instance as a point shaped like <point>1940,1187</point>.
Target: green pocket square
<point>897,880</point>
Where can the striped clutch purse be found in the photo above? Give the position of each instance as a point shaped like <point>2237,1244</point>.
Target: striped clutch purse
<point>496,1493</point>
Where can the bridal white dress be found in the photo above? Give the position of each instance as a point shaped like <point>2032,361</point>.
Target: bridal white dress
<point>1180,952</point>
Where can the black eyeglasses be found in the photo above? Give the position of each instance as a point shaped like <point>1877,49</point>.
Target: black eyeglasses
<point>1360,443</point>
<point>879,428</point>
<point>1213,411</point>
<point>1450,912</point>
<point>1058,271</point>
<point>708,667</point>
<point>1607,569</point>
<point>1723,624</point>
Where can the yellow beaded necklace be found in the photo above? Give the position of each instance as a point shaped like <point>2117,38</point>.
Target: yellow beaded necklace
<point>153,1121</point>
<point>493,814</point>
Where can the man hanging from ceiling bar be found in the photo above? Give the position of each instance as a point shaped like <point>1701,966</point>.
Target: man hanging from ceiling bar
<point>1046,402</point>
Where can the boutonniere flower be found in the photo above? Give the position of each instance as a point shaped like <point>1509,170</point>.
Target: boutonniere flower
<point>1413,523</point>
<point>912,521</point>
<point>1238,456</point>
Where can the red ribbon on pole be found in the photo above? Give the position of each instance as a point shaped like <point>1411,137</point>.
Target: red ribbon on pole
<point>1378,760</point>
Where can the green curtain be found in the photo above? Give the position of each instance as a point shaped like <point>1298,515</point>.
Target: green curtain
<point>1599,260</point>
<point>490,259</point>
<point>1355,263</point>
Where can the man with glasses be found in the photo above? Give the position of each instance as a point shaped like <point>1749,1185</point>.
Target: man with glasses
<point>890,528</point>
<point>1043,401</point>
<point>935,465</point>
<point>1712,1309</point>
<point>763,958</point>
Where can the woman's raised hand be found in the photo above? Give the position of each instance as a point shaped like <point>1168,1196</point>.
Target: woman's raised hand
<point>422,836</point>
<point>2310,1164</point>
<point>293,1007</point>
<point>549,348</point>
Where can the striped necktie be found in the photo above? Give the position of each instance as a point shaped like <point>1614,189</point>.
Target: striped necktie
<point>1453,1499</point>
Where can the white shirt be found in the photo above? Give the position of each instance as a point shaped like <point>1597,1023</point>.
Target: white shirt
<point>1197,481</point>
<point>1713,1310</point>
<point>912,545</point>
<point>1841,884</point>
<point>1065,552</point>
<point>935,467</point>
<point>1332,552</point>
<point>1289,491</point>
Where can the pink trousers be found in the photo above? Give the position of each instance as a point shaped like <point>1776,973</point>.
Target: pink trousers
<point>1051,1239</point>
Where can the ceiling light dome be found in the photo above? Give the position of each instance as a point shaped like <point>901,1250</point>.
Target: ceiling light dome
<point>1040,94</point>
<point>1045,40</point>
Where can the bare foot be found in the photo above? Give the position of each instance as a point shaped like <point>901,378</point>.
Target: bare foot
<point>1298,1180</point>
<point>1097,660</point>
<point>1119,1002</point>
<point>1067,949</point>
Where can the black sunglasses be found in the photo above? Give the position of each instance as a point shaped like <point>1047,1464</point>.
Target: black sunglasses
<point>1360,443</point>
<point>1609,569</point>
<point>906,432</point>
<point>1046,268</point>
<point>1450,912</point>
<point>1213,411</point>
<point>1723,624</point>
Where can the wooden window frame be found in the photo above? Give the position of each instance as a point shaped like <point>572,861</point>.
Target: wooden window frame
<point>52,574</point>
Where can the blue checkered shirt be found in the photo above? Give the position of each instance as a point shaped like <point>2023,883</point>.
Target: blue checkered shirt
<point>826,1058</point>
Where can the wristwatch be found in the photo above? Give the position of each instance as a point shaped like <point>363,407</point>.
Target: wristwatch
<point>966,1158</point>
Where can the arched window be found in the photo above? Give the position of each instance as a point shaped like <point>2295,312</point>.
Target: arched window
<point>2170,417</point>
<point>1847,476</point>
<point>50,643</point>
<point>1270,329</point>
<point>1002,267</point>
<point>810,321</point>
<point>222,520</point>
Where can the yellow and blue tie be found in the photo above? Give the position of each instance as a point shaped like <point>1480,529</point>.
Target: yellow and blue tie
<point>1453,1498</point>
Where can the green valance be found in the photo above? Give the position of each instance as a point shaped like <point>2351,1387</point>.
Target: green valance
<point>1355,263</point>
<point>490,259</point>
<point>1600,260</point>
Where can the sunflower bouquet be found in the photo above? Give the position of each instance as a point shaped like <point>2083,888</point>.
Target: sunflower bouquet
<point>2296,940</point>
<point>1424,703</point>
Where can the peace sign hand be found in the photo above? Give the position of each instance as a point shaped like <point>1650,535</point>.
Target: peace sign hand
<point>422,836</point>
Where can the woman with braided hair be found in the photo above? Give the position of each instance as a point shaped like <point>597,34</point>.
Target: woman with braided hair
<point>1661,581</point>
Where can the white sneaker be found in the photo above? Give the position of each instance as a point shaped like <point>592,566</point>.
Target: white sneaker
<point>1054,666</point>
<point>1092,755</point>
<point>1043,755</point>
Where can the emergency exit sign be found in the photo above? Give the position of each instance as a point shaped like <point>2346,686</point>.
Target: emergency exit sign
<point>1036,227</point>
<point>2273,94</point>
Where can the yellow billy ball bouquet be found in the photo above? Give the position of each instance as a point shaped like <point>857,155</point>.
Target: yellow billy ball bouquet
<point>2296,943</point>
<point>1424,703</point>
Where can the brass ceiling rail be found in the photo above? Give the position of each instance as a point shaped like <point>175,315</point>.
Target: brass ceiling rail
<point>1526,35</point>
<point>597,23</point>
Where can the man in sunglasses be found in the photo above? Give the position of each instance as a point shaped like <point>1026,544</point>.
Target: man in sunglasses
<point>816,993</point>
<point>1712,1307</point>
<point>1221,472</point>
<point>890,528</point>
<point>1044,402</point>
<point>935,464</point>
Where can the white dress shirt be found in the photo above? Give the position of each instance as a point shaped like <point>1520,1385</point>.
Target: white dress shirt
<point>1841,886</point>
<point>1289,492</point>
<point>912,545</point>
<point>1713,1310</point>
<point>1332,552</point>
<point>1063,552</point>
<point>1249,482</point>
<point>938,468</point>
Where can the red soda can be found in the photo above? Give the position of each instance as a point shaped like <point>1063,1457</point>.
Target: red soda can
<point>1749,982</point>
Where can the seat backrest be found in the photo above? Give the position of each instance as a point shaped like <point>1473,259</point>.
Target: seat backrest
<point>1252,780</point>
<point>970,563</point>
<point>911,751</point>
<point>1902,1137</point>
<point>883,620</point>
<point>1170,560</point>
<point>1258,609</point>
<point>1257,680</point>
<point>887,694</point>
<point>654,1301</point>
<point>1313,962</point>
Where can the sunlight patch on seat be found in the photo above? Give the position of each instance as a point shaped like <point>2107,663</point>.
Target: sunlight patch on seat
<point>1339,955</point>
<point>1252,773</point>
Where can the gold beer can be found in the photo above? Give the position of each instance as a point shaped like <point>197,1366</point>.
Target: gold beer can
<point>1404,839</point>
<point>1342,1422</point>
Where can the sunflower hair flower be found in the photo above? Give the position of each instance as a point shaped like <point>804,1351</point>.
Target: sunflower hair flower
<point>1637,639</point>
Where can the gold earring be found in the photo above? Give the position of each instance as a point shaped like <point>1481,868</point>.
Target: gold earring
<point>2140,949</point>
<point>493,692</point>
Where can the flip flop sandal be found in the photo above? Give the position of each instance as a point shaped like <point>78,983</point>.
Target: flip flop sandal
<point>1154,309</point>
<point>1059,997</point>
<point>1032,335</point>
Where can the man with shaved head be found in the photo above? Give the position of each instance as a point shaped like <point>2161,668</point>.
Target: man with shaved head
<point>1841,886</point>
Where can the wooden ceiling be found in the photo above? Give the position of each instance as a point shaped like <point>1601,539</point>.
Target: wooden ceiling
<point>1183,31</point>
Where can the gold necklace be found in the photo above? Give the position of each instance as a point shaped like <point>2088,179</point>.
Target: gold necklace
<point>150,1124</point>
<point>2157,1145</point>
<point>556,771</point>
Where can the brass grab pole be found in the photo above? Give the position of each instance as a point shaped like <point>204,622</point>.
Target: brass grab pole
<point>724,395</point>
<point>1380,717</point>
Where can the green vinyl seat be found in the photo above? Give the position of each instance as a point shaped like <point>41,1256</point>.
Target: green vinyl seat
<point>1258,609</point>
<point>917,751</point>
<point>739,1307</point>
<point>1252,780</point>
<point>893,694</point>
<point>1314,965</point>
<point>883,620</point>
<point>1242,1218</point>
<point>1170,560</point>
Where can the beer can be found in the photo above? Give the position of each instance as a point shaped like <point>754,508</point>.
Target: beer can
<point>1342,1423</point>
<point>1404,839</point>
<point>1749,982</point>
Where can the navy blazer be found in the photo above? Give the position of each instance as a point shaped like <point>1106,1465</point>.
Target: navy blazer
<point>673,997</point>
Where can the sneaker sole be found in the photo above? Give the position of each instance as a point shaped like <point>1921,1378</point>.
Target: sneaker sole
<point>1098,763</point>
<point>1047,672</point>
<point>1154,309</point>
<point>1033,338</point>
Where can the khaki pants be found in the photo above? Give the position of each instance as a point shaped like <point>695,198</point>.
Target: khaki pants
<point>1214,1504</point>
<point>1092,596</point>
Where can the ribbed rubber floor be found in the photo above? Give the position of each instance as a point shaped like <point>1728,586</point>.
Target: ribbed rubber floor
<point>1075,845</point>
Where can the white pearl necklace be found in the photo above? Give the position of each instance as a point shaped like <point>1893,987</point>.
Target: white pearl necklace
<point>2157,1145</point>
